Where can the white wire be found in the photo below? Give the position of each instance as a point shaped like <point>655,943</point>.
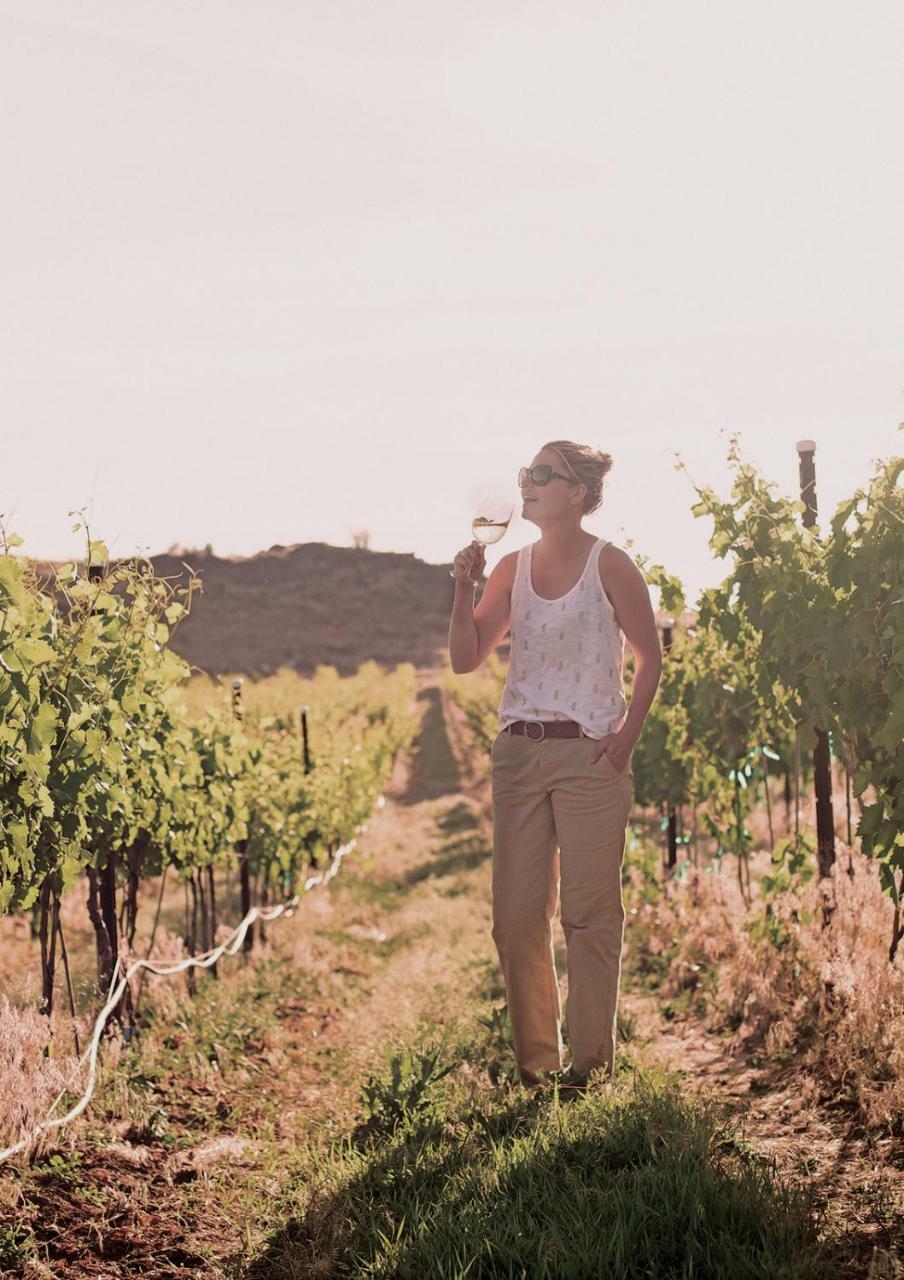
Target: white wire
<point>228,947</point>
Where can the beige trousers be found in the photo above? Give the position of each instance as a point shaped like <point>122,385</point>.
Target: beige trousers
<point>559,820</point>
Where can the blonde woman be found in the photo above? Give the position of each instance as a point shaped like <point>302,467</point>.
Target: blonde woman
<point>561,763</point>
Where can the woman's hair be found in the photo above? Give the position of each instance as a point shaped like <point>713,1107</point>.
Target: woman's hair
<point>587,465</point>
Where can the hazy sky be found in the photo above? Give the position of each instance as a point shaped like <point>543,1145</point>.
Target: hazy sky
<point>272,272</point>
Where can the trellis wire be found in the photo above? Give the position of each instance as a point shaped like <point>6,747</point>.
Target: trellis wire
<point>228,947</point>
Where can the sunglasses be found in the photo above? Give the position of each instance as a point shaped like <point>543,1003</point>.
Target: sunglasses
<point>541,475</point>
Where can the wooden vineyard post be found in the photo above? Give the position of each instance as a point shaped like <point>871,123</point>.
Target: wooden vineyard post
<point>304,738</point>
<point>241,847</point>
<point>212,896</point>
<point>306,752</point>
<point>789,799</point>
<point>104,888</point>
<point>825,824</point>
<point>672,854</point>
<point>108,905</point>
<point>49,905</point>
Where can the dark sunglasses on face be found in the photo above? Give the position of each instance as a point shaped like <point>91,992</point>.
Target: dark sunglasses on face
<point>541,475</point>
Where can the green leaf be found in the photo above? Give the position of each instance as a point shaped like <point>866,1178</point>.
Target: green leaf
<point>11,585</point>
<point>35,652</point>
<point>77,718</point>
<point>892,732</point>
<point>42,728</point>
<point>870,820</point>
<point>888,881</point>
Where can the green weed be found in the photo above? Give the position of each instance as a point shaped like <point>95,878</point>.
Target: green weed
<point>389,1103</point>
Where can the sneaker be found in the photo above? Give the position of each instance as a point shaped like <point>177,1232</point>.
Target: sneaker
<point>567,1080</point>
<point>577,1084</point>
<point>538,1079</point>
<point>570,1082</point>
<point>578,1081</point>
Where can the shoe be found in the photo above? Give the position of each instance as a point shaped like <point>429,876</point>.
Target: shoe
<point>570,1082</point>
<point>578,1081</point>
<point>536,1079</point>
<point>567,1080</point>
<point>576,1084</point>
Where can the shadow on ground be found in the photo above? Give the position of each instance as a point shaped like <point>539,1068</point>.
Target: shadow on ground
<point>460,817</point>
<point>644,1188</point>
<point>434,771</point>
<point>462,854</point>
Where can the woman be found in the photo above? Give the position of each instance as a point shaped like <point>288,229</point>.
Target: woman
<point>561,762</point>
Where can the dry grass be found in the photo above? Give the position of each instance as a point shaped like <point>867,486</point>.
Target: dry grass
<point>32,1070</point>
<point>827,995</point>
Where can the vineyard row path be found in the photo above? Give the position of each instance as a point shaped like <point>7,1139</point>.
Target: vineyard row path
<point>438,822</point>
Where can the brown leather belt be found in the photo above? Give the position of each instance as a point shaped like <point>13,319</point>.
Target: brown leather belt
<point>546,728</point>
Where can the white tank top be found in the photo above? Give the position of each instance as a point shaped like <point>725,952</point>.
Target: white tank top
<point>566,655</point>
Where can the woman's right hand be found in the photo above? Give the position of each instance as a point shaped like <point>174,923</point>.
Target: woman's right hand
<point>470,562</point>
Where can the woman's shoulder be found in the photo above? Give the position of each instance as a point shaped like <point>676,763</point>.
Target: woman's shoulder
<point>512,557</point>
<point>613,560</point>
<point>612,552</point>
<point>507,567</point>
<point>510,561</point>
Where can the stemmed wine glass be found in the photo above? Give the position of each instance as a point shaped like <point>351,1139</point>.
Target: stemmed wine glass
<point>493,516</point>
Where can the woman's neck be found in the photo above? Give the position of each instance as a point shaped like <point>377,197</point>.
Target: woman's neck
<point>564,542</point>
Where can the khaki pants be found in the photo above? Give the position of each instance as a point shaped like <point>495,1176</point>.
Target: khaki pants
<point>555,811</point>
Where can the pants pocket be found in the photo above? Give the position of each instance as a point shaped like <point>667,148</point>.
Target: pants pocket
<point>604,768</point>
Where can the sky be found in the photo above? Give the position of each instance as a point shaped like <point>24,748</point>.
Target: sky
<point>273,273</point>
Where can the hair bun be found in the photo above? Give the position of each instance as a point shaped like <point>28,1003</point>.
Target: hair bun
<point>585,464</point>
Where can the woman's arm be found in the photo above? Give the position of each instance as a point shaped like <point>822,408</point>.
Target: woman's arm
<point>474,633</point>
<point>627,588</point>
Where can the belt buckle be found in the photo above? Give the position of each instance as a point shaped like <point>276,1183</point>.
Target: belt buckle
<point>530,735</point>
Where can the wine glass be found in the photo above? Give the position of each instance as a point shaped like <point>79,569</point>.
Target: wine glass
<point>492,517</point>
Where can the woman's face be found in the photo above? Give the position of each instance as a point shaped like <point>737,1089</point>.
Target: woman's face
<point>555,500</point>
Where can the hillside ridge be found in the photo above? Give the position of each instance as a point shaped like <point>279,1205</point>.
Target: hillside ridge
<point>305,605</point>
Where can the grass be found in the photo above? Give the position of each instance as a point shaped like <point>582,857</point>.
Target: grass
<point>369,885</point>
<point>374,948</point>
<point>631,1181</point>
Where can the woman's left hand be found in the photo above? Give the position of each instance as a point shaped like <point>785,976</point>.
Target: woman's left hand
<point>617,747</point>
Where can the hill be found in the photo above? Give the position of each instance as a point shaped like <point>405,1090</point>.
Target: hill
<point>313,603</point>
<point>309,604</point>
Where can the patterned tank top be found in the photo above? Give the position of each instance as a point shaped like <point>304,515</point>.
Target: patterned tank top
<point>566,655</point>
